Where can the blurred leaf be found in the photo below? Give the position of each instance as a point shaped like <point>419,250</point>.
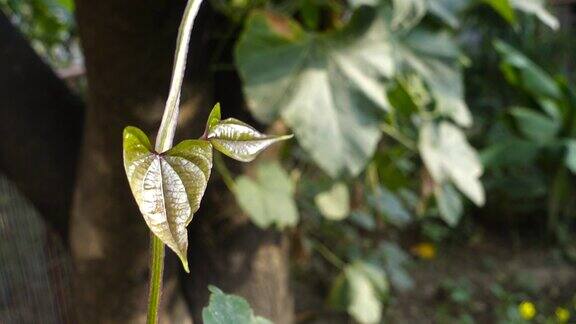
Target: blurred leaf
<point>504,9</point>
<point>226,309</point>
<point>537,8</point>
<point>434,57</point>
<point>571,155</point>
<point>522,72</point>
<point>239,140</point>
<point>168,187</point>
<point>407,95</point>
<point>448,157</point>
<point>310,14</point>
<point>407,13</point>
<point>68,4</point>
<point>300,76</point>
<point>339,296</point>
<point>358,3</point>
<point>334,204</point>
<point>363,220</point>
<point>535,126</point>
<point>449,10</point>
<point>367,286</point>
<point>449,204</point>
<point>509,152</point>
<point>388,204</point>
<point>395,259</point>
<point>268,200</point>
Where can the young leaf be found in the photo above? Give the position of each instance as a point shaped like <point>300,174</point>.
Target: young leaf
<point>226,309</point>
<point>167,187</point>
<point>214,118</point>
<point>504,9</point>
<point>268,200</point>
<point>239,140</point>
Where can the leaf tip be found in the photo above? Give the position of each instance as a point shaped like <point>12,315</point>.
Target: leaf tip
<point>185,265</point>
<point>285,137</point>
<point>214,117</point>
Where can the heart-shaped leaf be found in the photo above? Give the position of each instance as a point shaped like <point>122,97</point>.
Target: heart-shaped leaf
<point>237,139</point>
<point>334,204</point>
<point>167,187</point>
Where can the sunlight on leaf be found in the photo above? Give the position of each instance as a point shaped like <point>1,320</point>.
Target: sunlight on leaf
<point>326,87</point>
<point>239,140</point>
<point>269,199</point>
<point>408,13</point>
<point>167,187</point>
<point>449,157</point>
<point>537,8</point>
<point>334,203</point>
<point>367,287</point>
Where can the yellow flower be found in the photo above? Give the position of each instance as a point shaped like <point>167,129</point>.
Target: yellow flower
<point>527,310</point>
<point>424,250</point>
<point>562,314</point>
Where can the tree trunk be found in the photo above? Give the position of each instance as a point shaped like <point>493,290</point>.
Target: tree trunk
<point>40,128</point>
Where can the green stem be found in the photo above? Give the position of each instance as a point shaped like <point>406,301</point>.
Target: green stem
<point>156,271</point>
<point>328,255</point>
<point>224,172</point>
<point>401,138</point>
<point>164,141</point>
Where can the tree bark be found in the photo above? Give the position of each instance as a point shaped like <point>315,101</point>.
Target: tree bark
<point>129,47</point>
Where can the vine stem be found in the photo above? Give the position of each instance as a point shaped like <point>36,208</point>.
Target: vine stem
<point>156,272</point>
<point>164,142</point>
